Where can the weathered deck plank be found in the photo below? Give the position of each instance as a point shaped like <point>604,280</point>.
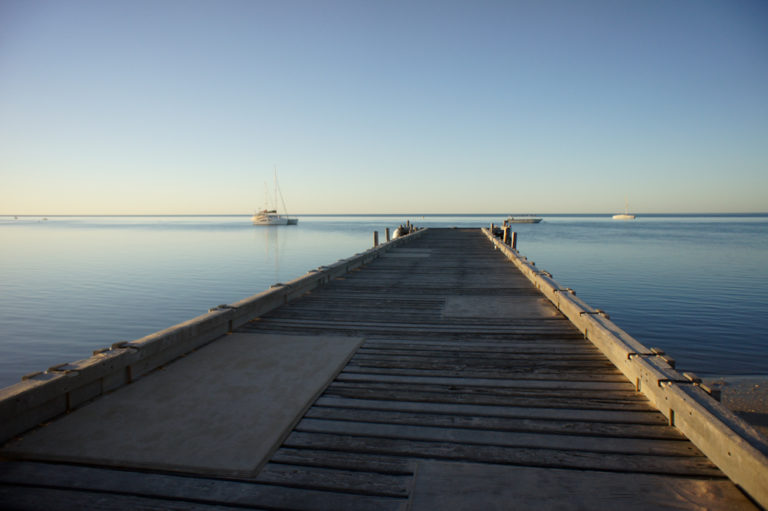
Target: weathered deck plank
<point>597,429</point>
<point>491,437</point>
<point>463,451</point>
<point>27,485</point>
<point>459,409</point>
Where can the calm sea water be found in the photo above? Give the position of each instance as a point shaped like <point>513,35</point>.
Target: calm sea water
<point>696,286</point>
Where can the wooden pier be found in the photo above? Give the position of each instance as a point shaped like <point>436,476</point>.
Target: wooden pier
<point>432,375</point>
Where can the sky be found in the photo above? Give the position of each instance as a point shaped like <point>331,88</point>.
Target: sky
<point>188,107</point>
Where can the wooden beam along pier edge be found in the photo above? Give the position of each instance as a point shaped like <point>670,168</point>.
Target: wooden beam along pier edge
<point>44,395</point>
<point>727,440</point>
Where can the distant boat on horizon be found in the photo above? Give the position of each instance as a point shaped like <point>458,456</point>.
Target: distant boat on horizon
<point>272,217</point>
<point>269,216</point>
<point>625,215</point>
<point>523,219</point>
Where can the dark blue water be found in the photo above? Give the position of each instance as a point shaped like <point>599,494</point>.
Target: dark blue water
<point>696,286</point>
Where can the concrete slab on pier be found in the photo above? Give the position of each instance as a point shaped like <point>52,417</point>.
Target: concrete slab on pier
<point>511,307</point>
<point>220,410</point>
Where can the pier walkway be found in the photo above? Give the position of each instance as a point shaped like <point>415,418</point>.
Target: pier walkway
<point>436,377</point>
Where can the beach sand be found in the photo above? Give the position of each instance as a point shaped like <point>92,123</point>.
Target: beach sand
<point>746,396</point>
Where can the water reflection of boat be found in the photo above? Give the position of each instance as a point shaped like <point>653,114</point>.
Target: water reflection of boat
<point>273,241</point>
<point>522,220</point>
<point>625,215</point>
<point>269,216</point>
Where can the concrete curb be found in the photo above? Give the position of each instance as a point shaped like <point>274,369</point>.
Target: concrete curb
<point>42,396</point>
<point>728,441</point>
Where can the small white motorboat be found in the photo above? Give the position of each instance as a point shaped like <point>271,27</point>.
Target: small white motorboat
<point>522,220</point>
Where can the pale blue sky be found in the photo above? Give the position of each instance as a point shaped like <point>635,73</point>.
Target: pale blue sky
<point>174,107</point>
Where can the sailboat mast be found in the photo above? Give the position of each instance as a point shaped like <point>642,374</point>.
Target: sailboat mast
<point>278,191</point>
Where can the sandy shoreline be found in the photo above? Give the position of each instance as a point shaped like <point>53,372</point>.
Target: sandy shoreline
<point>746,396</point>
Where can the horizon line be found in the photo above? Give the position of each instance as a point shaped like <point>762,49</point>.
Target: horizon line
<point>699,213</point>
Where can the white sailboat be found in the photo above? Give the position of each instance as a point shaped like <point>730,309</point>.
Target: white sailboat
<point>625,215</point>
<point>269,216</point>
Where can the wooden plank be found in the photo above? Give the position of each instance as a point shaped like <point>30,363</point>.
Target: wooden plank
<point>649,464</point>
<point>470,348</point>
<point>332,479</point>
<point>422,329</point>
<point>544,426</point>
<point>543,326</point>
<point>612,377</point>
<point>459,387</point>
<point>509,366</point>
<point>512,385</point>
<point>479,364</point>
<point>500,383</point>
<point>343,294</point>
<point>521,356</point>
<point>489,361</point>
<point>524,383</point>
<point>88,481</point>
<point>621,416</point>
<point>500,346</point>
<point>416,328</point>
<point>344,460</point>
<point>330,328</point>
<point>443,433</point>
<point>41,498</point>
<point>389,394</point>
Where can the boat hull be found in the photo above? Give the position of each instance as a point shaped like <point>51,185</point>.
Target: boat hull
<point>623,216</point>
<point>270,221</point>
<point>523,220</point>
<point>272,218</point>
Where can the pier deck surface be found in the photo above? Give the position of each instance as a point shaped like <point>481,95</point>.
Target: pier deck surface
<point>460,388</point>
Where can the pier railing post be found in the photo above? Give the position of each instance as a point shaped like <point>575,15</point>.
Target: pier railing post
<point>386,231</point>
<point>513,241</point>
<point>375,238</point>
<point>507,241</point>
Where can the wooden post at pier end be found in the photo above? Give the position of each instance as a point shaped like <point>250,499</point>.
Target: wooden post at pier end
<point>375,238</point>
<point>506,234</point>
<point>513,241</point>
<point>386,231</point>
